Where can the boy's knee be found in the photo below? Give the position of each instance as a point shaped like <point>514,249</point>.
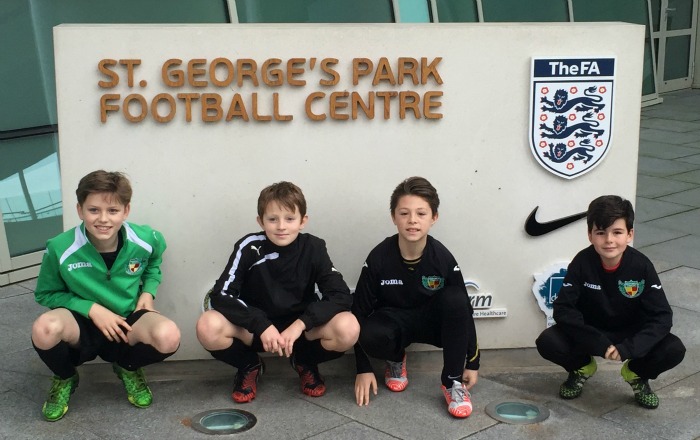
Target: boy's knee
<point>166,337</point>
<point>347,330</point>
<point>208,328</point>
<point>676,349</point>
<point>46,328</point>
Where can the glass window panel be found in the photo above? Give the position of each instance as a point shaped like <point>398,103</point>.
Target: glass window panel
<point>630,11</point>
<point>22,86</point>
<point>315,11</point>
<point>655,13</point>
<point>677,57</point>
<point>525,10</point>
<point>648,86</point>
<point>414,11</point>
<point>457,11</point>
<point>30,192</point>
<point>680,14</point>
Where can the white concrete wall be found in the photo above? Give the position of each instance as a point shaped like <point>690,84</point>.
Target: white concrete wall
<point>198,182</point>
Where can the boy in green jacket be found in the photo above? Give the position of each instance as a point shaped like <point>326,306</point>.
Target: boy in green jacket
<point>99,279</point>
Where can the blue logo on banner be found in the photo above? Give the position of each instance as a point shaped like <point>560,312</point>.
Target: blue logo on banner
<point>546,288</point>
<point>571,113</point>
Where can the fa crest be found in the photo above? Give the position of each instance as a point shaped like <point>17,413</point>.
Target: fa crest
<point>571,113</point>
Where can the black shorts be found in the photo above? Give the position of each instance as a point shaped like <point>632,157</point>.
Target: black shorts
<point>93,342</point>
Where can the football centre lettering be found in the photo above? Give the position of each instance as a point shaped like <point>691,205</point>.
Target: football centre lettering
<point>221,90</point>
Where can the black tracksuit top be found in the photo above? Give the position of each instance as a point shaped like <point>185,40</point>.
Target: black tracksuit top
<point>628,305</point>
<point>263,282</point>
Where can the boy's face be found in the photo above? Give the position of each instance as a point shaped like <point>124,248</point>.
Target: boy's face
<point>103,216</point>
<point>281,225</point>
<point>611,242</point>
<point>413,218</point>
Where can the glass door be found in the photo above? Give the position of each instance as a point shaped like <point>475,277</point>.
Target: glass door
<point>674,24</point>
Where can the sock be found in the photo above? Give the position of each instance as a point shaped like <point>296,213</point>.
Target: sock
<point>590,368</point>
<point>58,359</point>
<point>312,352</point>
<point>141,355</point>
<point>237,355</point>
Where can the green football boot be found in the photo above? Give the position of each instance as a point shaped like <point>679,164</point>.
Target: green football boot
<point>137,390</point>
<point>56,405</point>
<point>573,386</point>
<point>643,394</point>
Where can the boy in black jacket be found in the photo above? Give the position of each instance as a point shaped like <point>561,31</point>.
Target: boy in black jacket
<point>612,305</point>
<point>266,300</point>
<point>410,290</point>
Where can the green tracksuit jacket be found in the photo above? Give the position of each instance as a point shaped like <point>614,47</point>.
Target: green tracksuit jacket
<point>74,276</point>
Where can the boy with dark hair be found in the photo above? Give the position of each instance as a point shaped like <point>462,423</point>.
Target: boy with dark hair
<point>412,290</point>
<point>612,305</point>
<point>100,280</point>
<point>265,299</point>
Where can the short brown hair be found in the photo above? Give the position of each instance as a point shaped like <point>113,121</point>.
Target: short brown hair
<point>415,186</point>
<point>286,194</point>
<point>605,210</point>
<point>102,181</point>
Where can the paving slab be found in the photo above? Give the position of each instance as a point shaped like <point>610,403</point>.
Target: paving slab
<point>694,159</point>
<point>20,311</point>
<point>690,197</point>
<point>646,234</point>
<point>652,187</point>
<point>688,222</point>
<point>674,253</point>
<point>14,290</point>
<point>682,287</point>
<point>670,125</point>
<point>665,151</point>
<point>563,423</point>
<point>651,166</point>
<point>650,209</point>
<point>29,284</point>
<point>668,137</point>
<point>279,408</point>
<point>352,431</point>
<point>674,113</point>
<point>14,339</point>
<point>676,418</point>
<point>690,176</point>
<point>420,412</point>
<point>21,419</point>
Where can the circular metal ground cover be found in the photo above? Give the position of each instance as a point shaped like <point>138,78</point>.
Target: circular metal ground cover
<point>517,412</point>
<point>223,421</point>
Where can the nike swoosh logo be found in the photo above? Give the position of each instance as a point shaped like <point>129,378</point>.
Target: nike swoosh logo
<point>535,228</point>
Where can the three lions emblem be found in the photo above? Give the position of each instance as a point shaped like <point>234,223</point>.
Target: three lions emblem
<point>571,113</point>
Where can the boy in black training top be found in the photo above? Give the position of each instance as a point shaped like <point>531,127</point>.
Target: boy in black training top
<point>412,290</point>
<point>612,305</point>
<point>265,299</point>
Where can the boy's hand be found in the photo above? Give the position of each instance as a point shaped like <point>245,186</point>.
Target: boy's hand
<point>363,383</point>
<point>291,334</point>
<point>145,302</point>
<point>612,354</point>
<point>272,341</point>
<point>113,326</point>
<point>470,378</point>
